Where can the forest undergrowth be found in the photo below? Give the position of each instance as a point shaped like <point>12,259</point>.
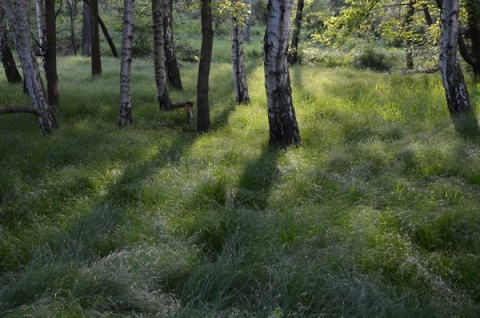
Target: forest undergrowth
<point>374,214</point>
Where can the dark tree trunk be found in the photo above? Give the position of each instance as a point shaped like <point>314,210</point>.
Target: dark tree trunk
<point>473,22</point>
<point>95,37</point>
<point>8,62</point>
<point>108,37</point>
<point>203,120</point>
<point>173,71</point>
<point>86,30</point>
<point>126,117</point>
<point>293,54</point>
<point>51,53</point>
<point>281,114</point>
<point>456,92</point>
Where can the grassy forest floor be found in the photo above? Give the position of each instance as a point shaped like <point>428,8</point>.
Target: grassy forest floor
<point>375,214</point>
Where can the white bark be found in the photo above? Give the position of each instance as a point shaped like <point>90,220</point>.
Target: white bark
<point>126,63</point>
<point>456,92</point>
<point>281,114</point>
<point>17,12</point>
<point>158,7</point>
<point>239,77</point>
<point>41,26</point>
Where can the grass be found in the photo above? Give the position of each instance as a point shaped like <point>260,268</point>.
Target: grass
<point>375,214</point>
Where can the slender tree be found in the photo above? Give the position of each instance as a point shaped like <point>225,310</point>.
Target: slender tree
<point>95,44</point>
<point>203,108</point>
<point>248,21</point>
<point>126,63</point>
<point>51,53</point>
<point>8,62</point>
<point>173,71</point>
<point>86,30</point>
<point>456,91</point>
<point>281,114</point>
<point>17,14</point>
<point>158,9</point>
<point>239,76</point>
<point>72,14</point>
<point>109,39</point>
<point>293,54</point>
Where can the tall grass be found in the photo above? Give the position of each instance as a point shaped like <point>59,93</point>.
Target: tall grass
<point>375,214</point>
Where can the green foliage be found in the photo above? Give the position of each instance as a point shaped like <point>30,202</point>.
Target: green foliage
<point>375,214</point>
<point>374,59</point>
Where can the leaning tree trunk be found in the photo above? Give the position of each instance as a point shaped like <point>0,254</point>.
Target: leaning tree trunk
<point>163,98</point>
<point>126,64</point>
<point>281,114</point>
<point>203,110</point>
<point>109,39</point>
<point>8,62</point>
<point>173,71</point>
<point>51,53</point>
<point>239,77</point>
<point>95,37</point>
<point>456,91</point>
<point>293,54</point>
<point>86,30</point>
<point>17,13</point>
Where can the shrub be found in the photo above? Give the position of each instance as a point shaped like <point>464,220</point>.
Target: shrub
<point>372,59</point>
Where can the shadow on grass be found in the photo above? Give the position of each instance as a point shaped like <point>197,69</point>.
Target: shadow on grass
<point>467,126</point>
<point>258,178</point>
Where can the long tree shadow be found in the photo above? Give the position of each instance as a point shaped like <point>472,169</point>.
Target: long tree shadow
<point>258,178</point>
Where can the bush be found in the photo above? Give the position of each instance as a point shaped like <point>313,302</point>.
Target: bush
<point>372,59</point>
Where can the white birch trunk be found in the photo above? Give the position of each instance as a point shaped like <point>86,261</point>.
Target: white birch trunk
<point>158,7</point>
<point>126,63</point>
<point>281,114</point>
<point>239,77</point>
<point>17,12</point>
<point>456,92</point>
<point>41,26</point>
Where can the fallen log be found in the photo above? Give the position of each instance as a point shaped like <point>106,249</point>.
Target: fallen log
<point>25,110</point>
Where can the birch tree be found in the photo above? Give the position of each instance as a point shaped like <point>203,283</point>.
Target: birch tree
<point>239,77</point>
<point>171,63</point>
<point>281,114</point>
<point>293,53</point>
<point>126,63</point>
<point>163,98</point>
<point>17,14</point>
<point>456,91</point>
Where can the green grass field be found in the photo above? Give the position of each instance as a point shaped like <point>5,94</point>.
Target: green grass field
<point>375,214</point>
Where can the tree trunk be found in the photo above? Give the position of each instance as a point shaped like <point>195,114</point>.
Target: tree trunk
<point>203,108</point>
<point>126,64</point>
<point>173,72</point>
<point>281,114</point>
<point>293,54</point>
<point>473,22</point>
<point>408,41</point>
<point>51,53</point>
<point>95,37</point>
<point>456,91</point>
<point>86,30</point>
<point>42,29</point>
<point>108,37</point>
<point>72,12</point>
<point>248,21</point>
<point>8,62</point>
<point>158,7</point>
<point>17,13</point>
<point>239,77</point>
